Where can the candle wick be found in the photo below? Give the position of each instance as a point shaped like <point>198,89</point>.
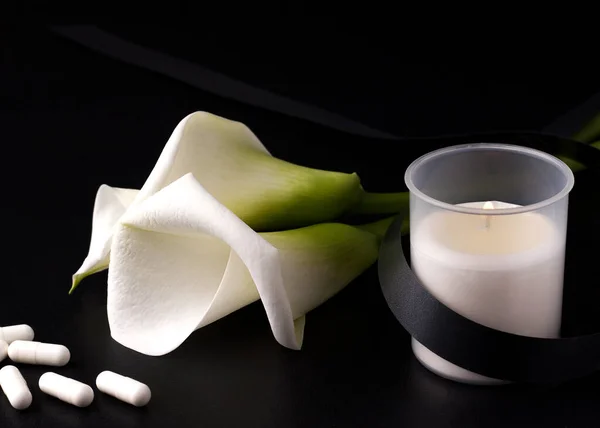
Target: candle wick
<point>489,205</point>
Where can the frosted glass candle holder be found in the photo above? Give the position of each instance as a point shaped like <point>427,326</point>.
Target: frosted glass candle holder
<point>488,231</point>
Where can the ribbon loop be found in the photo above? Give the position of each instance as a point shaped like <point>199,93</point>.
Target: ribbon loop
<point>470,345</point>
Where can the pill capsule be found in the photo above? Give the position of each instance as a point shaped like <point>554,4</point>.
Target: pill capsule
<point>3,349</point>
<point>48,354</point>
<point>123,388</point>
<point>15,388</point>
<point>16,332</point>
<point>66,389</point>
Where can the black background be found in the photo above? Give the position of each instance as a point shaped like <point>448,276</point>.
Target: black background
<point>73,119</point>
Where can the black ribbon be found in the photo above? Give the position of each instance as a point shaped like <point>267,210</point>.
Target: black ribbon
<point>473,346</point>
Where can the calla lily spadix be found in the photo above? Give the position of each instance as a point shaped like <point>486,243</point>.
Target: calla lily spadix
<point>231,163</point>
<point>181,260</point>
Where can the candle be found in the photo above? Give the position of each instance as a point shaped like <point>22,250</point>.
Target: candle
<point>502,271</point>
<point>494,262</point>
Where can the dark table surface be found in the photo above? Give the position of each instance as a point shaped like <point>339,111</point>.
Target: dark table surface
<point>73,119</point>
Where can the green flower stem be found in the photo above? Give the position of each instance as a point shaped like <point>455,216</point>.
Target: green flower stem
<point>378,228</point>
<point>596,144</point>
<point>382,203</point>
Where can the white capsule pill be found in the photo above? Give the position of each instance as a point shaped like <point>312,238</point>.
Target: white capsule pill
<point>16,332</point>
<point>123,388</point>
<point>3,349</point>
<point>47,354</point>
<point>14,386</point>
<point>66,389</point>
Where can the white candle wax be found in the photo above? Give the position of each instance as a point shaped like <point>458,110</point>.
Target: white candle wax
<point>502,271</point>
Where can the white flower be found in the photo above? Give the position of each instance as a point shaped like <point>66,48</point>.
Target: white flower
<point>232,165</point>
<point>181,260</point>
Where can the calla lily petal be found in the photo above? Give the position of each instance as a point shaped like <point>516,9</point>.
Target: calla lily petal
<point>233,165</point>
<point>110,204</point>
<point>181,260</point>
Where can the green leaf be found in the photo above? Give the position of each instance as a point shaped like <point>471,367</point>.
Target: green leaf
<point>571,163</point>
<point>590,132</point>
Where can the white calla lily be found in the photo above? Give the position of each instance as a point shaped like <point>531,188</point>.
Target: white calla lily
<point>233,165</point>
<point>181,260</point>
